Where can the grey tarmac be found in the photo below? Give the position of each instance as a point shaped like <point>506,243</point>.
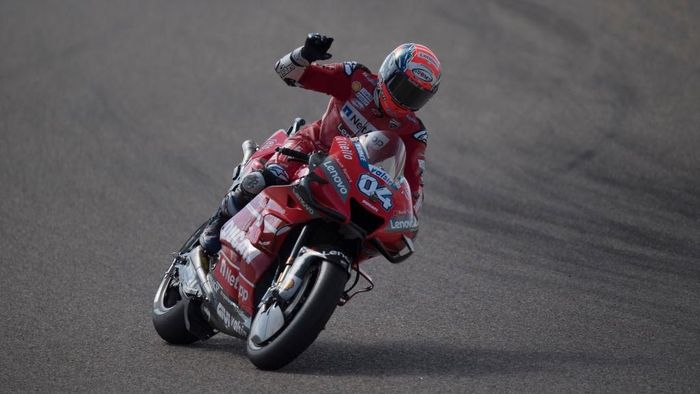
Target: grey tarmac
<point>559,242</point>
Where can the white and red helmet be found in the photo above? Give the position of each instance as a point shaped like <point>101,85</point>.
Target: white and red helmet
<point>408,78</point>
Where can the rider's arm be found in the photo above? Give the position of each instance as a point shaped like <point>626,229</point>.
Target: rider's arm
<point>292,66</point>
<point>328,78</point>
<point>297,68</point>
<point>416,145</point>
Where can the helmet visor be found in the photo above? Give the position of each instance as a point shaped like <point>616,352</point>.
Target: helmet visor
<point>406,93</point>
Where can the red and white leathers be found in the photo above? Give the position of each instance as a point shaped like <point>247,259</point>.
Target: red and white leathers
<point>352,111</point>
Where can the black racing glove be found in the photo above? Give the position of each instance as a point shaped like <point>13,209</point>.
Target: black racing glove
<point>316,47</point>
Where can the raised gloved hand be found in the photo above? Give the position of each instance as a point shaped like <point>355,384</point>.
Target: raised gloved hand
<point>316,47</point>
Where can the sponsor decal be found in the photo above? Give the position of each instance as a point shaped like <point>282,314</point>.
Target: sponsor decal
<point>356,86</point>
<point>345,149</point>
<point>242,294</point>
<point>423,74</point>
<point>421,136</point>
<point>361,154</point>
<point>394,124</point>
<point>401,223</point>
<point>239,242</point>
<point>376,112</point>
<point>343,131</point>
<point>355,103</point>
<point>283,69</point>
<point>364,97</point>
<point>369,205</point>
<point>381,174</point>
<point>215,285</point>
<point>303,203</point>
<point>233,278</point>
<point>339,254</point>
<point>354,120</point>
<point>429,59</point>
<point>230,322</point>
<point>229,277</point>
<point>339,181</point>
<point>377,141</point>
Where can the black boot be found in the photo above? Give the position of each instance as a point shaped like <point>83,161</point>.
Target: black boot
<point>232,202</point>
<point>210,236</point>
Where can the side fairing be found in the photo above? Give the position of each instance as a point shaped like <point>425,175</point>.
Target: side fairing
<point>402,220</point>
<point>267,149</point>
<point>251,240</point>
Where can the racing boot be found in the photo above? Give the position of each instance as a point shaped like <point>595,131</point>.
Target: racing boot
<point>209,239</point>
<point>252,184</point>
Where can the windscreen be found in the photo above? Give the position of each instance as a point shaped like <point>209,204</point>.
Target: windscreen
<point>385,149</point>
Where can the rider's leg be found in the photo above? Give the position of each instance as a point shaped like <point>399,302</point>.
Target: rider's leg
<point>251,184</point>
<point>277,172</point>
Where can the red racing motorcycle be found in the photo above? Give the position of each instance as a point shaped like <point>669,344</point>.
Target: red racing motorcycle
<point>292,254</point>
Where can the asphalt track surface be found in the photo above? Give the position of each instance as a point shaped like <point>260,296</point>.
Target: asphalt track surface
<point>559,244</point>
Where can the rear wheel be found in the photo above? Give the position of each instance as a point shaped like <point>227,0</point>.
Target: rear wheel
<point>305,316</point>
<point>169,311</point>
<point>169,308</point>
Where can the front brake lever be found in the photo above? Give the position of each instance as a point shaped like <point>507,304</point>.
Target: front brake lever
<point>293,154</point>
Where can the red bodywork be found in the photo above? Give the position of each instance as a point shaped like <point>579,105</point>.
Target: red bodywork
<point>252,239</point>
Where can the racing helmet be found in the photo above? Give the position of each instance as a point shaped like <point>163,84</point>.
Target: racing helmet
<point>408,78</point>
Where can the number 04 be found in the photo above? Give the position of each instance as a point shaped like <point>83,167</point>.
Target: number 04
<point>368,186</point>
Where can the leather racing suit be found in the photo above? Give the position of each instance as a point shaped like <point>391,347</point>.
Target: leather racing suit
<point>353,110</point>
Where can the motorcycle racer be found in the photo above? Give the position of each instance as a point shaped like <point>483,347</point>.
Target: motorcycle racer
<point>361,102</point>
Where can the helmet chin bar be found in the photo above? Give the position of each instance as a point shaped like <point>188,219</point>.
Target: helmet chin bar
<point>387,104</point>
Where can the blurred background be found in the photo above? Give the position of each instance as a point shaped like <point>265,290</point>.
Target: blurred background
<point>559,242</point>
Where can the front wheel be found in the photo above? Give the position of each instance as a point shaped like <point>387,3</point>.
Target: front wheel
<point>310,312</point>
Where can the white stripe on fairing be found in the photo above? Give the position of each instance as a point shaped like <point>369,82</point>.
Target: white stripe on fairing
<point>253,211</point>
<point>240,274</point>
<point>246,280</point>
<point>230,262</point>
<point>268,227</point>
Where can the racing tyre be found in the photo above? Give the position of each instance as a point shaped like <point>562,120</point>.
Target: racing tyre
<point>169,311</point>
<point>311,308</point>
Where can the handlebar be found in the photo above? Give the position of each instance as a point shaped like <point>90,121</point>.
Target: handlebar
<point>294,154</point>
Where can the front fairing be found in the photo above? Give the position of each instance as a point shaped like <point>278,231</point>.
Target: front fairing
<point>377,200</point>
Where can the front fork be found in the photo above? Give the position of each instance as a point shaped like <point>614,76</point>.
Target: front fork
<point>278,303</point>
<point>290,280</point>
